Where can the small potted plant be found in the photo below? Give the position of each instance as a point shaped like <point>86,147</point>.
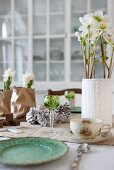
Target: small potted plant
<point>5,94</point>
<point>96,38</point>
<point>23,98</point>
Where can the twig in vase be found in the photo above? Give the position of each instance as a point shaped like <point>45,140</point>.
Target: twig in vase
<point>111,64</point>
<point>84,56</point>
<point>102,52</point>
<point>111,71</point>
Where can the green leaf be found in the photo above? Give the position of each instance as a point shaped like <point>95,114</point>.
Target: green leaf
<point>83,43</point>
<point>105,43</point>
<point>97,18</point>
<point>96,61</point>
<point>91,54</point>
<point>105,58</point>
<point>7,84</point>
<point>29,85</point>
<point>86,62</point>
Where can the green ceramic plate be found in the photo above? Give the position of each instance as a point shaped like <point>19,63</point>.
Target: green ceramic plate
<point>76,109</point>
<point>30,150</point>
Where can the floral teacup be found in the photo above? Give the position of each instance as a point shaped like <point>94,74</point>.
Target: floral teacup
<point>86,128</point>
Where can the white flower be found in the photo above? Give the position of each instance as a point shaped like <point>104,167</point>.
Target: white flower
<point>101,21</point>
<point>98,16</point>
<point>28,78</point>
<point>95,34</point>
<point>8,74</point>
<point>109,38</point>
<point>86,22</point>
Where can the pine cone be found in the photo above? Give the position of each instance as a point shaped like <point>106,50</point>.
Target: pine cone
<point>62,113</point>
<point>42,117</point>
<point>31,116</point>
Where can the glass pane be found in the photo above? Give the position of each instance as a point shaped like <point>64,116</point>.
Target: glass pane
<point>57,18</point>
<point>39,49</point>
<point>21,25</point>
<point>76,52</point>
<point>56,71</point>
<point>5,27</point>
<point>99,70</point>
<point>5,18</point>
<point>56,49</point>
<point>57,5</point>
<point>96,5</point>
<point>1,72</point>
<point>79,5</point>
<point>39,71</point>
<point>57,24</point>
<point>21,6</point>
<point>6,54</point>
<point>39,17</point>
<point>21,18</point>
<point>21,60</point>
<point>39,6</point>
<point>39,25</point>
<point>5,7</point>
<point>77,71</point>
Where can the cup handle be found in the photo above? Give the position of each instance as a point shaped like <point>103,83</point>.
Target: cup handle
<point>105,130</point>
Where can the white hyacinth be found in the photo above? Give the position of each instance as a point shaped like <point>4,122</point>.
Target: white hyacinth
<point>9,73</point>
<point>28,80</point>
<point>8,78</point>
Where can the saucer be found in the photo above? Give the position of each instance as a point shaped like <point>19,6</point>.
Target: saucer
<point>94,140</point>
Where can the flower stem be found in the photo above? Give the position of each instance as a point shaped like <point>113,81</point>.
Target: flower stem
<point>103,57</point>
<point>111,64</point>
<point>84,57</point>
<point>93,65</point>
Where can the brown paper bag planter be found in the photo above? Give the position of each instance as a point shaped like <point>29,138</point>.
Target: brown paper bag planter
<point>21,101</point>
<point>5,97</point>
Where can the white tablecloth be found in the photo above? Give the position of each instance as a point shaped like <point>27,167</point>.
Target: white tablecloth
<point>99,158</point>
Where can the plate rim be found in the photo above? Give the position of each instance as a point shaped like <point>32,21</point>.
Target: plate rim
<point>36,163</point>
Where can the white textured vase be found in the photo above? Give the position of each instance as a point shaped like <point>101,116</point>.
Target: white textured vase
<point>97,99</point>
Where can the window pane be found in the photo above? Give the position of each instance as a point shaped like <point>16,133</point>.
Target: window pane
<point>99,5</point>
<point>57,24</point>
<point>57,49</point>
<point>39,25</point>
<point>77,71</point>
<point>39,59</point>
<point>39,49</point>
<point>21,60</point>
<point>56,71</point>
<point>5,18</point>
<point>21,18</point>
<point>39,6</point>
<point>39,71</point>
<point>76,52</point>
<point>5,56</point>
<point>57,5</point>
<point>5,7</point>
<point>79,5</point>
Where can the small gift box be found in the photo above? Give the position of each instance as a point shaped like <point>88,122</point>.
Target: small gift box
<point>22,100</point>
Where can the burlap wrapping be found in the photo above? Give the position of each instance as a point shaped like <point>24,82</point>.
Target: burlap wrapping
<point>21,101</point>
<point>5,97</point>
